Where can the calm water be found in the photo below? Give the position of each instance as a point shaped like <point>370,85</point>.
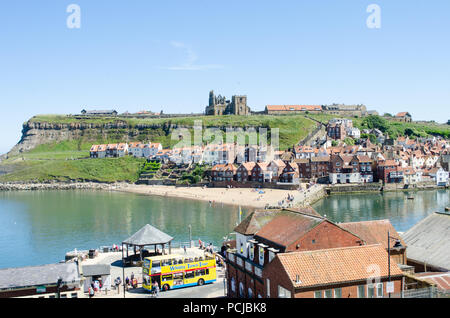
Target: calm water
<point>40,227</point>
<point>395,206</point>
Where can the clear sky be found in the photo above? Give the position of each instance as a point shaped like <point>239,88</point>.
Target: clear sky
<point>168,55</point>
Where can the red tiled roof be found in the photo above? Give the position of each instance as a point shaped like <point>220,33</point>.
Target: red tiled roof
<point>373,232</point>
<point>287,227</point>
<point>337,265</point>
<point>293,107</point>
<point>94,148</point>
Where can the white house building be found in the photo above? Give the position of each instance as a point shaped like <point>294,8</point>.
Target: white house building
<point>442,177</point>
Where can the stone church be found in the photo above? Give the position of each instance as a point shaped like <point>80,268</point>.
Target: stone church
<point>219,105</point>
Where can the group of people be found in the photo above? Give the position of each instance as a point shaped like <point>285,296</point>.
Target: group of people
<point>95,287</point>
<point>132,280</point>
<point>209,248</point>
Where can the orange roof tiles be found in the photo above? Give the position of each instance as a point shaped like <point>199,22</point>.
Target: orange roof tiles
<point>294,107</point>
<point>373,232</point>
<point>337,265</point>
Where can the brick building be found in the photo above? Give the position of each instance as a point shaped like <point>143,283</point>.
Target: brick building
<point>259,238</point>
<point>244,172</point>
<point>389,171</point>
<point>256,267</point>
<point>223,172</point>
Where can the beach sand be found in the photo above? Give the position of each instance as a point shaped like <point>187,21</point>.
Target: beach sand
<point>235,196</point>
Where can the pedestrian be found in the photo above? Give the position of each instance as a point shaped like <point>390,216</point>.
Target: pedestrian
<point>127,282</point>
<point>91,292</point>
<point>157,289</point>
<point>96,285</point>
<point>117,283</point>
<point>185,250</point>
<point>132,276</point>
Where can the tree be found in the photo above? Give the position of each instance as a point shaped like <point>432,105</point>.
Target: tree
<point>334,143</point>
<point>349,141</point>
<point>374,121</point>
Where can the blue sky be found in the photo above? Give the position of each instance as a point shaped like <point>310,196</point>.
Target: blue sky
<point>147,54</point>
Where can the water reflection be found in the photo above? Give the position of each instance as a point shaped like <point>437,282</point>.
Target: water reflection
<point>396,206</point>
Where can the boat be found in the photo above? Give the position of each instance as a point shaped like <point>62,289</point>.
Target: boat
<point>410,198</point>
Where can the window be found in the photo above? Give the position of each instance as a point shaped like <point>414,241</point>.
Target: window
<point>328,293</point>
<point>250,293</point>
<point>252,251</point>
<point>338,293</point>
<point>241,290</point>
<point>318,294</point>
<point>166,262</point>
<point>166,278</point>
<point>189,275</point>
<point>361,291</point>
<point>380,290</point>
<point>268,287</point>
<point>74,295</point>
<point>283,292</point>
<point>261,255</point>
<point>233,285</point>
<point>156,264</point>
<point>200,272</point>
<point>370,291</point>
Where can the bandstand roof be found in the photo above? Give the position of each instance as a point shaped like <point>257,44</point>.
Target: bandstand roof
<point>148,235</point>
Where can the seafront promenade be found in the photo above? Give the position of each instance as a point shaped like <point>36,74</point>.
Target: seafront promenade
<point>115,260</point>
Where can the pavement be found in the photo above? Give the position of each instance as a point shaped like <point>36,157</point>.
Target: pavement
<point>213,290</point>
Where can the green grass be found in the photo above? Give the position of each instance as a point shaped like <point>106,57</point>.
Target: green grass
<point>100,170</point>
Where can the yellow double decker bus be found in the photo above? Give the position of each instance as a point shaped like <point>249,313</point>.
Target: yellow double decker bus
<point>175,271</point>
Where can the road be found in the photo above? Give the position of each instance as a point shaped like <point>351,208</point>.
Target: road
<point>214,290</point>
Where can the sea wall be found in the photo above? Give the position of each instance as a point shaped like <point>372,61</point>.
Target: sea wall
<point>59,186</point>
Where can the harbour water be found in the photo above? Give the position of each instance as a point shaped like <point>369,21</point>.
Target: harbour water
<point>39,227</point>
<point>395,206</point>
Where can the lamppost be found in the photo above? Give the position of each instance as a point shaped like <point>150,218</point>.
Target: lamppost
<point>190,236</point>
<point>397,244</point>
<point>58,287</point>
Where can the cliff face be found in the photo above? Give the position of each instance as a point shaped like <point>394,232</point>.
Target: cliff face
<point>37,133</point>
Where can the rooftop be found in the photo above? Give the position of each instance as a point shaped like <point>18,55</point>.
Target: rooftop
<point>330,266</point>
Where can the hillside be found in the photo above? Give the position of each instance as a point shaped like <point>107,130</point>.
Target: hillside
<point>56,147</point>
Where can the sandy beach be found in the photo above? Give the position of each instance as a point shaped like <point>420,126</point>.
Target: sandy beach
<point>235,196</point>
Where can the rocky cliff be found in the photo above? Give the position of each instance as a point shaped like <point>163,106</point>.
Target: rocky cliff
<point>35,133</point>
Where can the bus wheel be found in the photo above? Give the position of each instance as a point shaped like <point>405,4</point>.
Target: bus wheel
<point>201,282</point>
<point>166,287</point>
